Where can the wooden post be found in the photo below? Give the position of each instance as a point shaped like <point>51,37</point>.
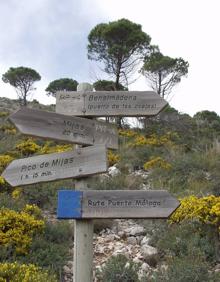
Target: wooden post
<point>83,233</point>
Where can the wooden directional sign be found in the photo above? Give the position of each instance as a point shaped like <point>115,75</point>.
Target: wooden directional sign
<point>71,164</point>
<point>115,204</point>
<point>61,127</point>
<point>109,103</point>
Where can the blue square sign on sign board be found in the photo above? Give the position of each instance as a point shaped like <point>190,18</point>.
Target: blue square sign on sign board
<point>69,204</point>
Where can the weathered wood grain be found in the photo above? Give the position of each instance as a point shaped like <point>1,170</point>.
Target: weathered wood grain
<point>65,128</point>
<point>118,204</point>
<point>71,164</point>
<point>109,103</point>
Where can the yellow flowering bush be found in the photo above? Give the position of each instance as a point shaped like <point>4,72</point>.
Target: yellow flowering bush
<point>205,209</point>
<point>157,162</point>
<point>4,186</point>
<point>8,129</point>
<point>15,272</point>
<point>4,114</point>
<point>48,148</point>
<point>27,147</point>
<point>127,133</point>
<point>18,228</point>
<point>2,181</point>
<point>16,193</point>
<point>153,140</point>
<point>4,161</point>
<point>113,158</point>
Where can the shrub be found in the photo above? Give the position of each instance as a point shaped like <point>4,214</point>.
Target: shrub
<point>118,182</point>
<point>18,228</point>
<point>187,269</point>
<point>186,239</point>
<point>205,209</point>
<point>4,114</point>
<point>4,161</point>
<point>27,147</point>
<point>119,269</point>
<point>44,195</point>
<point>154,140</point>
<point>6,201</point>
<point>50,147</point>
<point>51,249</point>
<point>15,272</point>
<point>157,162</point>
<point>112,158</point>
<point>16,193</point>
<point>127,133</point>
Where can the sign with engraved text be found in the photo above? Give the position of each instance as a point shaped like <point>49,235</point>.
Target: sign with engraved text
<point>71,164</point>
<point>116,204</point>
<point>61,127</point>
<point>109,103</point>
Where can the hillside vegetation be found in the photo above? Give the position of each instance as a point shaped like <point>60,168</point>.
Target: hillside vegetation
<point>178,153</point>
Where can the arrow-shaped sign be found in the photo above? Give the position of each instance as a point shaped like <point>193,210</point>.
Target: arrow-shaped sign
<point>109,103</point>
<point>61,127</point>
<point>116,204</point>
<point>71,164</point>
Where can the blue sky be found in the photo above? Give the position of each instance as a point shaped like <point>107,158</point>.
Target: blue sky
<point>50,36</point>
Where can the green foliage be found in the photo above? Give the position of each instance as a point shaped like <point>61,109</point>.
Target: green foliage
<point>181,240</point>
<point>208,124</point>
<point>163,72</point>
<point>118,45</point>
<point>22,79</point>
<point>44,195</point>
<point>190,268</point>
<point>51,249</point>
<point>190,173</point>
<point>15,272</point>
<point>118,182</point>
<point>190,249</point>
<point>119,269</point>
<point>18,228</point>
<point>4,114</point>
<point>6,201</point>
<point>62,84</point>
<point>108,85</point>
<point>27,147</point>
<point>206,116</point>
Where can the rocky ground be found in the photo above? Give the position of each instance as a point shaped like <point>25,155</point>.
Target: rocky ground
<point>125,237</point>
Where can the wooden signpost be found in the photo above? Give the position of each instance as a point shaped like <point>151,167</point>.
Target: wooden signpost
<point>71,164</point>
<point>115,204</point>
<point>109,103</point>
<point>65,128</point>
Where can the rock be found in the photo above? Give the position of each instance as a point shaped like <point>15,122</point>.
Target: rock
<point>132,240</point>
<point>150,255</point>
<point>217,268</point>
<point>145,241</point>
<point>142,173</point>
<point>139,239</point>
<point>67,270</point>
<point>137,230</point>
<point>113,171</point>
<point>70,264</point>
<point>145,267</point>
<point>122,251</point>
<point>144,186</point>
<point>109,238</point>
<point>137,260</point>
